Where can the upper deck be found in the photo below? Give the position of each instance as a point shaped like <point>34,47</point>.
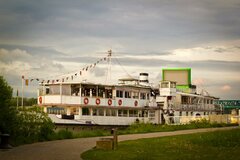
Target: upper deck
<point>95,95</point>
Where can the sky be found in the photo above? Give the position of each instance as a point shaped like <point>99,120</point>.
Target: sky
<point>54,39</point>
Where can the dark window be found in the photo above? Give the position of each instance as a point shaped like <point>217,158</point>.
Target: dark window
<point>85,111</point>
<point>119,94</point>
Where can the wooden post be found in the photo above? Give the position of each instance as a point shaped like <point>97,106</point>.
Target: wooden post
<point>115,138</point>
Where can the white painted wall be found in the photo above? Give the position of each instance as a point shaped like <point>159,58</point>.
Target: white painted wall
<point>111,120</point>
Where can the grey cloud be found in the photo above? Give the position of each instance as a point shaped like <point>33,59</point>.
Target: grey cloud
<point>204,65</point>
<point>40,51</point>
<point>165,22</point>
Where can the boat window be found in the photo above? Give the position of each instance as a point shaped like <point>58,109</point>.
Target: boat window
<point>108,112</point>
<point>94,112</point>
<point>147,95</point>
<point>100,92</point>
<point>101,112</point>
<point>85,111</point>
<point>108,93</point>
<point>173,85</point>
<point>66,89</point>
<point>142,95</point>
<point>125,113</point>
<point>127,94</point>
<point>133,113</point>
<point>114,112</point>
<point>47,91</point>
<point>184,100</point>
<point>94,92</point>
<point>86,92</point>
<point>53,90</point>
<point>135,95</point>
<point>165,85</point>
<point>120,113</point>
<point>145,113</point>
<point>119,94</point>
<point>75,90</point>
<point>140,113</point>
<point>151,114</point>
<point>211,101</point>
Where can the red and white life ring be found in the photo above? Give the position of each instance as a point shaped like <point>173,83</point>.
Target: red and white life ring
<point>85,100</point>
<point>40,100</point>
<point>109,102</point>
<point>119,102</point>
<point>135,103</point>
<point>98,101</point>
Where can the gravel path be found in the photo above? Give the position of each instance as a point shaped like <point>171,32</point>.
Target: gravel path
<point>72,148</point>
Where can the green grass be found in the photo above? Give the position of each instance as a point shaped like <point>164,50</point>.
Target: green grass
<point>220,145</point>
<point>134,129</point>
<point>147,127</point>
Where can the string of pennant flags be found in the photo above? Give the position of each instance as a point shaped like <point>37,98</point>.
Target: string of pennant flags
<point>70,77</point>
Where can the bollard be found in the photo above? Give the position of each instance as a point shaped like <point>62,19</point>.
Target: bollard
<point>5,141</point>
<point>115,138</point>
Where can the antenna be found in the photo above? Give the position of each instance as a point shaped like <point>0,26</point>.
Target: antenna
<point>109,60</point>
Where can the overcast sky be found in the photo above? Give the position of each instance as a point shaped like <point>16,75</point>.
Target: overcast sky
<point>56,38</point>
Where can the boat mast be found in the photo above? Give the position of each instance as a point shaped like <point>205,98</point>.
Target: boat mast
<point>108,78</point>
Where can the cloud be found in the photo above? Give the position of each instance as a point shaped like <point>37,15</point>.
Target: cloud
<point>59,37</point>
<point>226,88</point>
<point>198,81</point>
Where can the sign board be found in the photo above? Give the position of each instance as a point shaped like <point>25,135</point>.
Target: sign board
<point>180,75</point>
<point>231,104</point>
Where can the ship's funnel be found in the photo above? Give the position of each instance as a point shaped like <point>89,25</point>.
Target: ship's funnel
<point>143,77</point>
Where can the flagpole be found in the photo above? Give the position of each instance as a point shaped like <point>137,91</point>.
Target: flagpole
<point>17,99</point>
<point>22,89</point>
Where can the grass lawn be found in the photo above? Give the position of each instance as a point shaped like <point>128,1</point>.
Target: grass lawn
<point>219,145</point>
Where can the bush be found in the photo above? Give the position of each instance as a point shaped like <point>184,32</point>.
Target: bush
<point>33,125</point>
<point>63,134</point>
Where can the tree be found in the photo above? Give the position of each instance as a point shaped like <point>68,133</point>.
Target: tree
<point>24,126</point>
<point>8,115</point>
<point>5,93</point>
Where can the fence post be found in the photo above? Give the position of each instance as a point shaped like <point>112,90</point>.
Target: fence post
<point>239,117</point>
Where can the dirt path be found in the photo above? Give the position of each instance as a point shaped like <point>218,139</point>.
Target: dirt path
<point>72,148</point>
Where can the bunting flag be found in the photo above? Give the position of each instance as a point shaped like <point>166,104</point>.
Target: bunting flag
<point>26,82</point>
<point>71,76</point>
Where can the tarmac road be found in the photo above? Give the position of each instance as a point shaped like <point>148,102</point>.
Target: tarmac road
<point>71,149</point>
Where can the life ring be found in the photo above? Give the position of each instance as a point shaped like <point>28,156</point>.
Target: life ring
<point>40,100</point>
<point>109,102</point>
<point>98,101</point>
<point>136,103</point>
<point>119,102</point>
<point>85,100</point>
